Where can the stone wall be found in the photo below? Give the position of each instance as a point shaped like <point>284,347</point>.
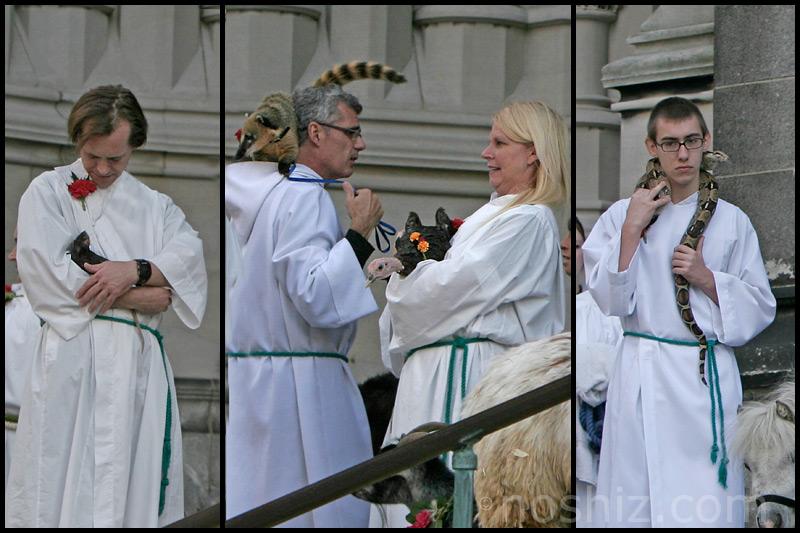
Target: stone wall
<point>754,108</point>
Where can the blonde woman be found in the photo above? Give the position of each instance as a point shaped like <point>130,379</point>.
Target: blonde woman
<point>500,284</point>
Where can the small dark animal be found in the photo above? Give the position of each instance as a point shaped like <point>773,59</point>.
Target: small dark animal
<point>80,253</point>
<point>379,393</point>
<point>410,252</point>
<point>424,482</point>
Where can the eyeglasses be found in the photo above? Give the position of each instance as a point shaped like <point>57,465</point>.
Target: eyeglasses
<point>692,143</point>
<point>353,133</point>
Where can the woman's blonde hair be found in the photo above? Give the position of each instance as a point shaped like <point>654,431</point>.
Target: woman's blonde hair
<point>535,123</point>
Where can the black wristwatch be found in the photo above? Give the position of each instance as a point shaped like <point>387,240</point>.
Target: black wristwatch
<point>144,270</point>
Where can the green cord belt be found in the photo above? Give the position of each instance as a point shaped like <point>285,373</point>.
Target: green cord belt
<point>716,401</point>
<point>288,354</point>
<point>458,343</point>
<point>166,450</point>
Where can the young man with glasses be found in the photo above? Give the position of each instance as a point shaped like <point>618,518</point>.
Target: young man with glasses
<point>664,460</point>
<point>296,415</point>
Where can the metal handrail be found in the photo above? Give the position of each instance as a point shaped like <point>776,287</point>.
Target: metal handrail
<point>210,517</point>
<point>404,457</point>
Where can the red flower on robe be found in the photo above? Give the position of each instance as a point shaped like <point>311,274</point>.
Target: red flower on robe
<point>81,188</point>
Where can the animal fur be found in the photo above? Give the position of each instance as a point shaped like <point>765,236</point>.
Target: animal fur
<point>271,133</point>
<point>438,238</point>
<point>765,441</point>
<point>359,70</point>
<point>524,470</point>
<point>80,253</point>
<point>425,482</point>
<point>378,393</point>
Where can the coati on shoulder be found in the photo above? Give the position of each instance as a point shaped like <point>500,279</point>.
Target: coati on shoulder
<point>271,132</point>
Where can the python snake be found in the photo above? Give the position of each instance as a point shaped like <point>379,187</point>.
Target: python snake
<point>706,204</point>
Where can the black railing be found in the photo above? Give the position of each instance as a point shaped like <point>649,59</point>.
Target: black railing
<point>204,519</point>
<point>404,457</point>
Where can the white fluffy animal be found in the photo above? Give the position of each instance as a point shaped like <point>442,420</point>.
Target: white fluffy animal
<point>765,442</point>
<point>524,470</point>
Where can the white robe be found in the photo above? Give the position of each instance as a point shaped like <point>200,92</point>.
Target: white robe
<point>92,422</point>
<point>22,334</point>
<point>655,465</point>
<point>598,339</point>
<point>501,279</point>
<point>293,421</point>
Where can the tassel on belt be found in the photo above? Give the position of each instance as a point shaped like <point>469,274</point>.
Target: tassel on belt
<point>716,400</point>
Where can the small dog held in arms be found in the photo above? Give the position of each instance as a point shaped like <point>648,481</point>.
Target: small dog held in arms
<point>416,243</point>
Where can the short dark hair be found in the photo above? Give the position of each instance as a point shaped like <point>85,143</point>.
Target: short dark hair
<point>574,224</point>
<point>99,111</point>
<point>674,108</point>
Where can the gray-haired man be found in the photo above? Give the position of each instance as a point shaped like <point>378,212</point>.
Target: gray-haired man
<point>296,415</point>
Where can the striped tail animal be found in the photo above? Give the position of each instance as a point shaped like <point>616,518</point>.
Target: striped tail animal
<point>706,204</point>
<point>271,132</point>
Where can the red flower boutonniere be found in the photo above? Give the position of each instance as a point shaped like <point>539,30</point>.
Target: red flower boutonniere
<point>81,188</point>
<point>10,295</point>
<point>455,224</point>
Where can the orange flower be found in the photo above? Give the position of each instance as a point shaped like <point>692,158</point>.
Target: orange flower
<point>423,246</point>
<point>414,236</point>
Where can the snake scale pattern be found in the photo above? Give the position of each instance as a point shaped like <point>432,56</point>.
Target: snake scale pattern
<point>706,204</point>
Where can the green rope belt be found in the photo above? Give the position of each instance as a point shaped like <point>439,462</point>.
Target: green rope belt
<point>716,401</point>
<point>12,419</point>
<point>458,343</point>
<point>288,354</point>
<point>166,451</point>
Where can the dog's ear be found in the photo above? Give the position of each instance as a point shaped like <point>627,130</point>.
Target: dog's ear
<point>412,222</point>
<point>442,220</point>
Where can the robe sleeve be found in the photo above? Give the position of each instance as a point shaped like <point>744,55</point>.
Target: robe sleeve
<point>321,274</point>
<point>614,291</point>
<point>181,261</point>
<point>746,302</point>
<point>518,259</point>
<point>50,277</point>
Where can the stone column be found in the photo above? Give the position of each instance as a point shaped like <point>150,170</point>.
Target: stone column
<point>62,46</point>
<point>267,49</point>
<point>211,20</point>
<point>470,56</point>
<point>754,110</point>
<point>597,161</point>
<point>384,35</point>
